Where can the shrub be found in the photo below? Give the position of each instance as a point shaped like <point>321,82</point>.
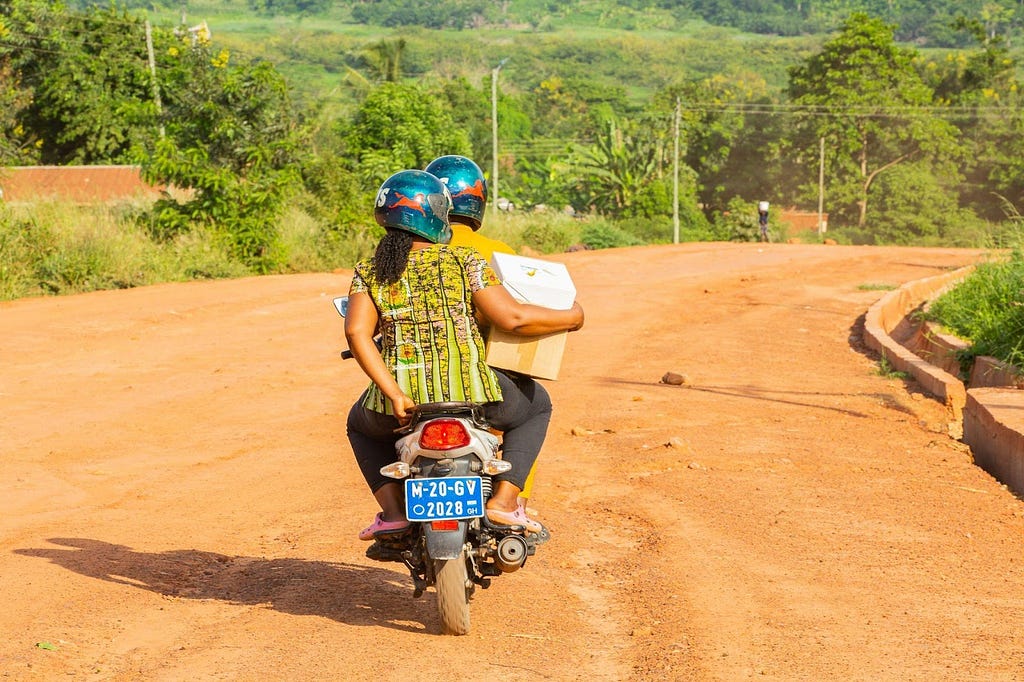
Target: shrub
<point>738,223</point>
<point>16,256</point>
<point>311,246</point>
<point>541,231</point>
<point>547,237</point>
<point>64,249</point>
<point>602,234</point>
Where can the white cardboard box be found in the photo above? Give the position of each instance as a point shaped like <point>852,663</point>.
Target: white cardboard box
<point>541,282</point>
<point>532,280</point>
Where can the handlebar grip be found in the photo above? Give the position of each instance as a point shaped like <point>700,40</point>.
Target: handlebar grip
<point>346,354</point>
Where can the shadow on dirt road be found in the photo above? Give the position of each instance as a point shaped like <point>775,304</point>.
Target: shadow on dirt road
<point>347,593</point>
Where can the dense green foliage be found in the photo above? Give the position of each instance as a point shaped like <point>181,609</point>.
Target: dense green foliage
<point>606,110</point>
<point>862,93</point>
<point>294,7</point>
<point>231,139</point>
<point>85,93</point>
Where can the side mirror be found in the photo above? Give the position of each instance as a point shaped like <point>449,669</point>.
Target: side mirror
<point>341,304</point>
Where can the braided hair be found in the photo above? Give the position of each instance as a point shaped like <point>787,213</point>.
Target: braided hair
<point>392,256</point>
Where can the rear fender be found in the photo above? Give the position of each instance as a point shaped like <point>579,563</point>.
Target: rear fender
<point>445,544</point>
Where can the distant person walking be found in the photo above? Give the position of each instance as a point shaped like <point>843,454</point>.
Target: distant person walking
<point>762,219</point>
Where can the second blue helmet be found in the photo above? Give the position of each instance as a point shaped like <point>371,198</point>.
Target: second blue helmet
<point>466,183</point>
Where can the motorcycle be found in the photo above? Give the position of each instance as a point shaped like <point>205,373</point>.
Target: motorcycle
<point>447,456</point>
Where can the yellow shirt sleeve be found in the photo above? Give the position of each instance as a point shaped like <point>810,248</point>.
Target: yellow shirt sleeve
<point>463,235</point>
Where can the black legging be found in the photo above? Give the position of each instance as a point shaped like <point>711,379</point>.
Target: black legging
<point>523,415</point>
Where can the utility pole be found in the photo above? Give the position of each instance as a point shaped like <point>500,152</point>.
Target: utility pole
<point>675,179</point>
<point>152,71</point>
<point>821,186</point>
<point>494,132</point>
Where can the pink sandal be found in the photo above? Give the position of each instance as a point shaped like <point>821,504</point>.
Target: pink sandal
<point>379,525</point>
<point>514,518</point>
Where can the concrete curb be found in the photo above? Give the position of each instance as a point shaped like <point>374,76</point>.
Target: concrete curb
<point>994,429</point>
<point>891,311</point>
<point>990,417</point>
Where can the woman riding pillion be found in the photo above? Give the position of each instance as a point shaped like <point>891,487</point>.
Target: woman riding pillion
<point>425,297</point>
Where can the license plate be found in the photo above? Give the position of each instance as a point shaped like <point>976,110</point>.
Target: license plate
<point>439,499</point>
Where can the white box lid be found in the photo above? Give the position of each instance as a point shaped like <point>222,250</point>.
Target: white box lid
<point>532,280</point>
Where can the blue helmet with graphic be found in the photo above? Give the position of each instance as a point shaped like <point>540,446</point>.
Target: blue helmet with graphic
<point>415,201</point>
<point>466,182</point>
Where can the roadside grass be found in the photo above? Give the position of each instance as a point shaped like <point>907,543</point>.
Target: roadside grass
<point>987,310</point>
<point>309,247</point>
<point>876,286</point>
<point>886,369</point>
<point>60,248</point>
<point>548,232</point>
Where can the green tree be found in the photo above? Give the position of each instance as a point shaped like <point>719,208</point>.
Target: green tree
<point>548,180</point>
<point>470,109</point>
<point>398,127</point>
<point>388,58</point>
<point>619,167</point>
<point>730,155</point>
<point>90,91</point>
<point>984,95</point>
<point>381,62</point>
<point>450,14</point>
<point>862,94</point>
<point>233,143</point>
<point>575,106</point>
<point>913,206</point>
<point>289,7</point>
<point>17,145</point>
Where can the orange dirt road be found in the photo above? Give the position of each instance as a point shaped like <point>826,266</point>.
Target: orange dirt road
<point>178,500</point>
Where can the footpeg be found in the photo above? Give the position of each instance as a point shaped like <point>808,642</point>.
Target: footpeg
<point>381,552</point>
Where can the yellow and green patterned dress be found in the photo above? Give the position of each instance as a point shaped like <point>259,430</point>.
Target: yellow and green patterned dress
<point>430,339</point>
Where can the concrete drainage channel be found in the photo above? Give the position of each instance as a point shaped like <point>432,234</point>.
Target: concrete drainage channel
<point>988,409</point>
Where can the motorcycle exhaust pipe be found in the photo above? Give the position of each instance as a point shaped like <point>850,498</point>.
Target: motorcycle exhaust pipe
<point>511,554</point>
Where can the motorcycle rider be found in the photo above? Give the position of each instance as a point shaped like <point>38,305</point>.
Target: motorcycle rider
<point>466,182</point>
<point>424,295</point>
<point>469,192</point>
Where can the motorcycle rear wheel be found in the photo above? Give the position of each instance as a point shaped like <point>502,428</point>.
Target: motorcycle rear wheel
<point>453,590</point>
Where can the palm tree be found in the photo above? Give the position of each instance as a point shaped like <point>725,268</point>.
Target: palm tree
<point>617,167</point>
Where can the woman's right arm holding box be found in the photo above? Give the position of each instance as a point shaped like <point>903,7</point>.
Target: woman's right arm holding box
<point>507,314</point>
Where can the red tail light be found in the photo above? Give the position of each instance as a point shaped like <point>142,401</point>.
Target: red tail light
<point>444,525</point>
<point>444,434</point>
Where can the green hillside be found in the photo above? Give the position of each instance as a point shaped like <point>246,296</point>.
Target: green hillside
<point>326,55</point>
<point>633,49</point>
